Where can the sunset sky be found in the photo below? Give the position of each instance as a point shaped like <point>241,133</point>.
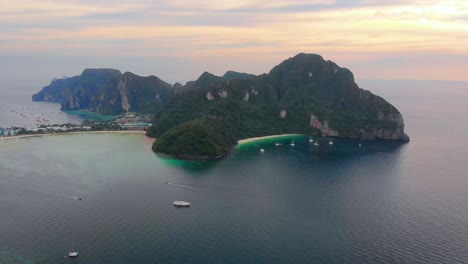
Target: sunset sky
<point>178,40</point>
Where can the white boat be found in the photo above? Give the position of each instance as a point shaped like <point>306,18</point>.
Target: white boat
<point>181,204</point>
<point>277,144</point>
<point>311,140</point>
<point>360,145</point>
<point>330,142</point>
<point>316,143</point>
<point>262,150</point>
<point>292,144</point>
<point>73,253</point>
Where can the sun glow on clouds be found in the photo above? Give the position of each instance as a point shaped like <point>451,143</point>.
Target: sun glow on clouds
<point>224,5</point>
<point>258,32</point>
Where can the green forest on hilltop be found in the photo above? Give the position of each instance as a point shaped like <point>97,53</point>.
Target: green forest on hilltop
<point>201,138</point>
<point>301,86</point>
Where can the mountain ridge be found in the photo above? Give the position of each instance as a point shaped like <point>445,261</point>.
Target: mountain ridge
<point>108,91</point>
<point>304,94</point>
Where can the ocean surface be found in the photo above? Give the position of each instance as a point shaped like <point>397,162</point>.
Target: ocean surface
<point>17,108</point>
<point>383,202</point>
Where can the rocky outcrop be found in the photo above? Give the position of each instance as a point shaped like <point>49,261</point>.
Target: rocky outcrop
<point>283,113</point>
<point>246,96</point>
<point>397,133</point>
<point>323,127</point>
<point>123,91</point>
<point>209,96</point>
<point>108,91</point>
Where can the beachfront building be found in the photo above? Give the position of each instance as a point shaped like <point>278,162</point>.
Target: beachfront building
<point>136,126</point>
<point>59,128</point>
<point>9,132</point>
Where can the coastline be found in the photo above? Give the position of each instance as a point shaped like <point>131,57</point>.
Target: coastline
<point>75,133</point>
<point>247,140</point>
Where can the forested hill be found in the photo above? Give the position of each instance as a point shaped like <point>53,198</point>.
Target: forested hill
<point>304,94</point>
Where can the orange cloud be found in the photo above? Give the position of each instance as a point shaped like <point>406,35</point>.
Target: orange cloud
<point>198,29</point>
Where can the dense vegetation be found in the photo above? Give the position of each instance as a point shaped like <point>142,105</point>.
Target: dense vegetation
<point>304,94</point>
<point>232,75</point>
<point>201,138</point>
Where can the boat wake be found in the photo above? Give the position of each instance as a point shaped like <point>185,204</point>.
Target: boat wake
<point>179,185</point>
<point>64,196</point>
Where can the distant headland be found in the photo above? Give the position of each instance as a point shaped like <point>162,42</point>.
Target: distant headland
<point>205,118</point>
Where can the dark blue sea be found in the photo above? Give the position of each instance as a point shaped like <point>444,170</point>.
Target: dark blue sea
<point>383,202</point>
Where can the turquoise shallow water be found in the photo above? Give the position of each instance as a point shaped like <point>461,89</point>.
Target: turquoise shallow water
<point>381,203</point>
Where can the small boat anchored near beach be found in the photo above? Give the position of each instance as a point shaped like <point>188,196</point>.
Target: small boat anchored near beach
<point>181,204</point>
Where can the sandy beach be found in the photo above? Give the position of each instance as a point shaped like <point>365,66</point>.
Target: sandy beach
<point>74,133</point>
<point>242,141</point>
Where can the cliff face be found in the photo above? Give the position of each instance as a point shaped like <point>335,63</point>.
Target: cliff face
<point>108,91</point>
<point>304,94</point>
<point>337,106</point>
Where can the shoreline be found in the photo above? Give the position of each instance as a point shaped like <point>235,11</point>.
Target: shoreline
<point>247,140</point>
<point>76,133</point>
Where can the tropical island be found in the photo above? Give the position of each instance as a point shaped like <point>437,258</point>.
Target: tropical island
<point>205,118</point>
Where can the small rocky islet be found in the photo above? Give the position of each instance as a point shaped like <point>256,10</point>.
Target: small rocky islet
<point>205,118</point>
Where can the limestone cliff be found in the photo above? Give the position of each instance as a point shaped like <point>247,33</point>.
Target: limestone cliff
<point>123,91</point>
<point>108,91</point>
